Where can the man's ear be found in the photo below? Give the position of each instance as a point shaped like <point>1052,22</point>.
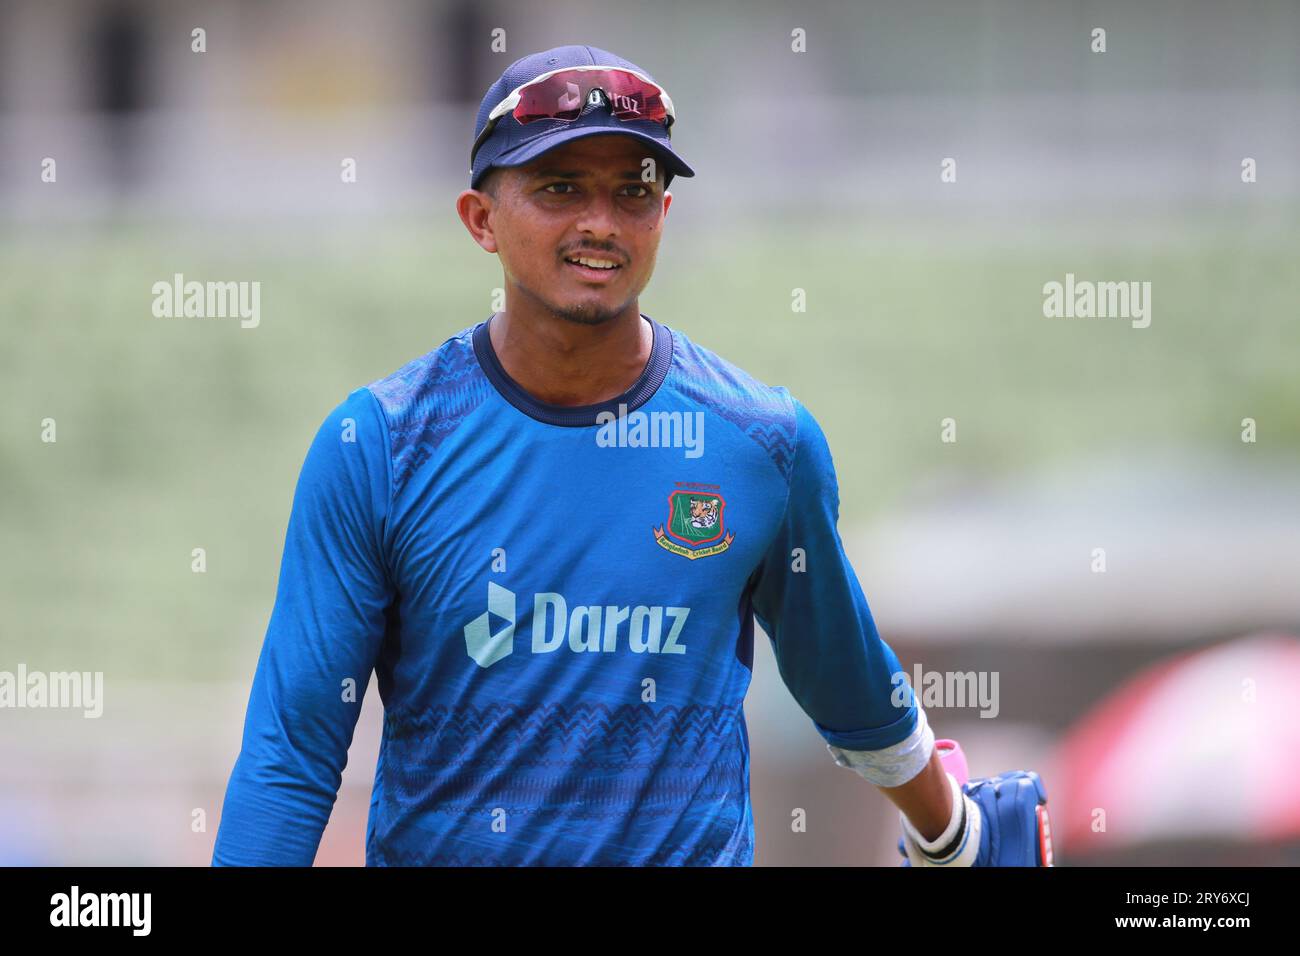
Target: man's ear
<point>668,201</point>
<point>474,207</point>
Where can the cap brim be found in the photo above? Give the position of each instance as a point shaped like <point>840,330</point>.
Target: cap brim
<point>526,153</point>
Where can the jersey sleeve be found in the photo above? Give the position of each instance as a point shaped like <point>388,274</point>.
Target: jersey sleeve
<point>830,656</point>
<point>320,647</point>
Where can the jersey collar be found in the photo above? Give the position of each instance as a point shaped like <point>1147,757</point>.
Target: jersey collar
<point>576,416</point>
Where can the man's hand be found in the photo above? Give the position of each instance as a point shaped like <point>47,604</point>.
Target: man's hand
<point>1007,817</point>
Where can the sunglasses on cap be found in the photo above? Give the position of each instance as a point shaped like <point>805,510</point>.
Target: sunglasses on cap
<point>563,95</point>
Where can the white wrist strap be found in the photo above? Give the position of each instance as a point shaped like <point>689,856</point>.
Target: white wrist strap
<point>961,836</point>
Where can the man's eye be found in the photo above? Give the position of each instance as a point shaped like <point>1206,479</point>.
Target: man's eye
<point>553,185</point>
<point>644,194</point>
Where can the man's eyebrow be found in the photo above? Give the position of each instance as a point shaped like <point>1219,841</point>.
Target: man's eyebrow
<point>555,172</point>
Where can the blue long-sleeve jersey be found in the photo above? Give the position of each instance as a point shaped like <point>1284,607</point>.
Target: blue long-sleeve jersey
<point>558,604</point>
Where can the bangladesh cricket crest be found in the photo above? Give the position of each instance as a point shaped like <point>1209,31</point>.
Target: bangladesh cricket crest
<point>696,526</point>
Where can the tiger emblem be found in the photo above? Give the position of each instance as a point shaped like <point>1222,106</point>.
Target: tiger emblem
<point>696,525</point>
<point>704,512</point>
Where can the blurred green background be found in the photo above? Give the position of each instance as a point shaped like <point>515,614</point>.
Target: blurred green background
<point>182,433</point>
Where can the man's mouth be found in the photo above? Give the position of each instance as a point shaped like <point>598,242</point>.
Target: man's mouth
<point>594,267</point>
<point>593,262</point>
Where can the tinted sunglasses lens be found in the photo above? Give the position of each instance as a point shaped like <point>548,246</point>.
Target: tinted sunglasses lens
<point>563,96</point>
<point>556,97</point>
<point>633,98</point>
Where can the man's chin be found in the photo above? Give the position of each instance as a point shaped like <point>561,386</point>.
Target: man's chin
<point>587,314</point>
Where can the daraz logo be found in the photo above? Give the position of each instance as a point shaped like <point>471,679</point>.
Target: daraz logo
<point>589,628</point>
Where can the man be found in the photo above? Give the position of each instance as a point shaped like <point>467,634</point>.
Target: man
<point>549,538</point>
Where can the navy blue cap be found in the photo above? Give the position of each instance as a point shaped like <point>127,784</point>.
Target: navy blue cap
<point>514,144</point>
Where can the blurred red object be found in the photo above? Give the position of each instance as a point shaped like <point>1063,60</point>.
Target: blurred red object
<point>1204,746</point>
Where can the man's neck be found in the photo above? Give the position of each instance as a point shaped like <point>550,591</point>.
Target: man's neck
<point>564,363</point>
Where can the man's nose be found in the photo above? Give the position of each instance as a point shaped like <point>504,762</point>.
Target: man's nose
<point>599,216</point>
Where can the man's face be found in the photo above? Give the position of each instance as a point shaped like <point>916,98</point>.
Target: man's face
<point>586,198</point>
